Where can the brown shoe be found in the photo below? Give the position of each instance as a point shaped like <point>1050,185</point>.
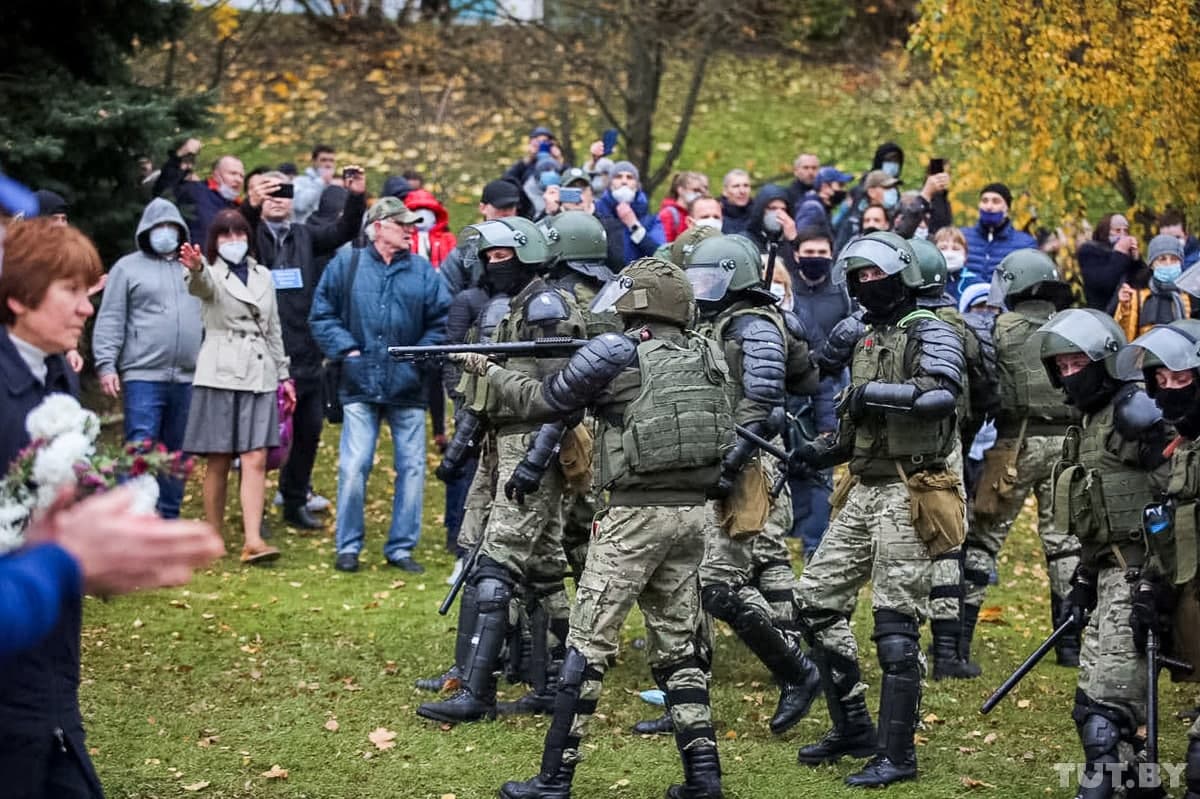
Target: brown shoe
<point>257,557</point>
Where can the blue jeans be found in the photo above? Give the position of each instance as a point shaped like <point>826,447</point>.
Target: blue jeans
<point>456,500</point>
<point>158,411</point>
<point>810,510</point>
<point>360,431</point>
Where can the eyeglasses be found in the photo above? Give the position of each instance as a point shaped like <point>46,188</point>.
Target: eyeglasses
<point>398,223</point>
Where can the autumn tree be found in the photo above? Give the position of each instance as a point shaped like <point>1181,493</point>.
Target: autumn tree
<point>74,120</point>
<point>1068,101</point>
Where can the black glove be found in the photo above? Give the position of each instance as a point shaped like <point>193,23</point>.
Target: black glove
<point>469,430</point>
<point>1081,599</point>
<point>525,480</point>
<point>852,402</point>
<point>1152,602</point>
<point>448,472</point>
<point>723,487</point>
<point>808,454</point>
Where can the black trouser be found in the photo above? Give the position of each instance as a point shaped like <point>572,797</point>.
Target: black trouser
<point>436,395</point>
<point>296,474</point>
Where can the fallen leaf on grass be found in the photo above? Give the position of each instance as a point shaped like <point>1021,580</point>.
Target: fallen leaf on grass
<point>931,718</point>
<point>1023,704</point>
<point>382,737</point>
<point>990,738</point>
<point>276,773</point>
<point>332,725</point>
<point>969,782</point>
<point>621,783</point>
<point>992,614</point>
<point>197,786</point>
<point>448,796</point>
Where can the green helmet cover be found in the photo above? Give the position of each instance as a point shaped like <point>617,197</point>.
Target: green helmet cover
<point>889,251</point>
<point>576,236</point>
<point>723,264</point>
<point>527,240</point>
<point>934,273</point>
<point>649,288</point>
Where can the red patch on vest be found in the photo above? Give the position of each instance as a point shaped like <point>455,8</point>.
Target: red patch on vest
<point>868,343</point>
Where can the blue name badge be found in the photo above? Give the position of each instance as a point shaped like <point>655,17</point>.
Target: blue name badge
<point>287,279</point>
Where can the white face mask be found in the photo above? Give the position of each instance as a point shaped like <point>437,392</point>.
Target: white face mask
<point>954,260</point>
<point>164,240</point>
<point>921,233</point>
<point>690,197</point>
<point>780,292</point>
<point>428,219</point>
<point>227,193</point>
<point>715,224</point>
<point>233,251</point>
<point>624,194</point>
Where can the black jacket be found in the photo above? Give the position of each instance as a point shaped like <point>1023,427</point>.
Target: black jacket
<point>39,688</point>
<point>1103,270</point>
<point>302,247</point>
<point>734,218</point>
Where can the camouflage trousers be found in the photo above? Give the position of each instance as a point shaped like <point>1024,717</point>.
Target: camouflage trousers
<point>1111,671</point>
<point>479,497</point>
<point>986,535</point>
<point>872,539</point>
<point>947,592</point>
<point>527,538</point>
<point>648,555</point>
<point>578,512</point>
<point>758,568</point>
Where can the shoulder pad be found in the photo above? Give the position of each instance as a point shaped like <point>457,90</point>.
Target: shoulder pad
<point>1134,412</point>
<point>753,326</point>
<point>491,316</point>
<point>546,307</point>
<point>764,359</point>
<point>941,349</point>
<point>795,327</point>
<point>589,370</point>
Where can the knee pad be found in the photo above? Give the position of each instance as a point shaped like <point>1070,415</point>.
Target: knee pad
<point>721,601</point>
<point>897,641</point>
<point>493,595</point>
<point>1099,736</point>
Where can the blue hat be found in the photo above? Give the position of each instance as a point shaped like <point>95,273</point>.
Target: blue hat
<point>831,174</point>
<point>971,295</point>
<point>541,130</point>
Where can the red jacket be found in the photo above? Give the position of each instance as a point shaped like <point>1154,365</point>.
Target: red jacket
<point>439,241</point>
<point>674,218</point>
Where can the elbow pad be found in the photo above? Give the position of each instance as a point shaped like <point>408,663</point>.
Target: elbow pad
<point>888,396</point>
<point>935,403</point>
<point>545,444</point>
<point>588,371</point>
<point>468,435</point>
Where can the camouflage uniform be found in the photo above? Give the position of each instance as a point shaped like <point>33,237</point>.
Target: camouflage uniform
<point>1032,416</point>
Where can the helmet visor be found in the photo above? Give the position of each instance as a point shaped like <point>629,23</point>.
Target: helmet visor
<point>1173,348</point>
<point>487,235</point>
<point>996,290</point>
<point>1076,328</point>
<point>869,252</point>
<point>1189,281</point>
<point>613,291</point>
<point>709,281</point>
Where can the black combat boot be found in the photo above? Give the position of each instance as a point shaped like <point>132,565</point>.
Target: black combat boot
<point>946,650</point>
<point>701,774</point>
<point>898,645</point>
<point>852,734</point>
<point>468,614</point>
<point>561,750</point>
<point>1100,731</point>
<point>476,699</point>
<point>970,618</point>
<point>1066,649</point>
<point>659,726</point>
<point>796,675</point>
<point>537,702</point>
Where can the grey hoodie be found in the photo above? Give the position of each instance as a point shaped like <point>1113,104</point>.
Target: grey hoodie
<point>149,326</point>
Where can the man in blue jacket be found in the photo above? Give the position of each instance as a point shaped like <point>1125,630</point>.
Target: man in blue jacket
<point>992,238</point>
<point>633,231</point>
<point>368,300</point>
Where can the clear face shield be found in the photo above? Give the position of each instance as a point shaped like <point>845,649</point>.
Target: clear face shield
<point>1071,331</point>
<point>613,291</point>
<point>710,281</point>
<point>1189,281</point>
<point>1172,348</point>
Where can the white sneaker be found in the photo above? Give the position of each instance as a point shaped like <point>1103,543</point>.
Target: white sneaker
<point>317,503</point>
<point>458,567</point>
<point>278,501</point>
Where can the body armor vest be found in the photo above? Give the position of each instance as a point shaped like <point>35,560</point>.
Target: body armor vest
<point>1176,546</point>
<point>883,438</point>
<point>1025,390</point>
<point>674,431</point>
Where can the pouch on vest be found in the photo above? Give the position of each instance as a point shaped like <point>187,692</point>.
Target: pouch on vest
<point>575,458</point>
<point>841,492</point>
<point>743,514</point>
<point>937,506</point>
<point>1186,555</point>
<point>1079,505</point>
<point>1185,638</point>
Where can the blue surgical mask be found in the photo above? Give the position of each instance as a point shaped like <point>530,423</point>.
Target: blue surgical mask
<point>891,197</point>
<point>891,167</point>
<point>1168,274</point>
<point>1113,239</point>
<point>164,240</point>
<point>991,218</point>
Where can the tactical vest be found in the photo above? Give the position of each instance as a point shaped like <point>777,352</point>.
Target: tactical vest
<point>884,438</point>
<point>1176,546</point>
<point>1098,494</point>
<point>514,327</point>
<point>672,435</point>
<point>1025,389</point>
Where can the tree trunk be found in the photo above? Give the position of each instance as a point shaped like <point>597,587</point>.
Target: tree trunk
<point>643,77</point>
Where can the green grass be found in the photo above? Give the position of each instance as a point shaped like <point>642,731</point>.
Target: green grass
<point>219,681</point>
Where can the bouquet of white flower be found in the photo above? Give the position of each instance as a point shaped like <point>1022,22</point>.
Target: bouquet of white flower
<point>63,453</point>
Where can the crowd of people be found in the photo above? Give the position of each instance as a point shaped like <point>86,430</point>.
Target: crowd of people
<point>726,355</point>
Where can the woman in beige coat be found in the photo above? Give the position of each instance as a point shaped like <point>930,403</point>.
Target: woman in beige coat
<point>240,367</point>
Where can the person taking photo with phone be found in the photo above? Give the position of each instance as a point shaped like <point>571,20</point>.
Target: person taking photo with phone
<point>291,250</point>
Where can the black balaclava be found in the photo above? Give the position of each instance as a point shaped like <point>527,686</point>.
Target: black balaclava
<point>885,300</point>
<point>1089,389</point>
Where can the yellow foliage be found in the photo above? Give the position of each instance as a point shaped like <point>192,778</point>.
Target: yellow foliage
<point>1062,99</point>
<point>225,19</point>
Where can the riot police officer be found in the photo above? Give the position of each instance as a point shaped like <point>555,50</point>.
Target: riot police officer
<point>898,430</point>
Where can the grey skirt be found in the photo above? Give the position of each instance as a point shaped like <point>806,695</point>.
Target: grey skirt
<point>223,421</point>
